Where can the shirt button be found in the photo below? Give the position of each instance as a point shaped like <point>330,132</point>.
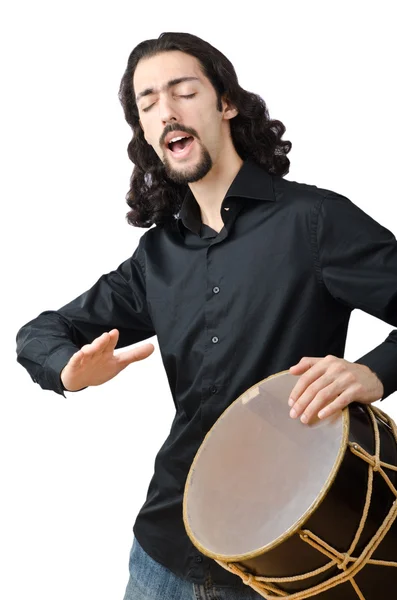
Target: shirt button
<point>215,340</point>
<point>213,389</point>
<point>199,559</point>
<point>215,290</point>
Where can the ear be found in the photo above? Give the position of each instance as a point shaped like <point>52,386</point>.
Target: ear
<point>229,110</point>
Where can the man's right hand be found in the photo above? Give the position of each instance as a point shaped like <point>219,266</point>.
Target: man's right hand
<point>96,363</point>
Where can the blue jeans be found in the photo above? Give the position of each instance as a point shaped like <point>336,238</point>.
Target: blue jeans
<point>151,581</point>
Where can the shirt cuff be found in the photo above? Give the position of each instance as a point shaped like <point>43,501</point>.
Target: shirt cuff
<point>53,367</point>
<point>382,360</point>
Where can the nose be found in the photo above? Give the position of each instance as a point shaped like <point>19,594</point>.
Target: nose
<point>168,113</point>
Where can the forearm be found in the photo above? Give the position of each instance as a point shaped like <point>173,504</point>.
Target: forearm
<point>116,301</point>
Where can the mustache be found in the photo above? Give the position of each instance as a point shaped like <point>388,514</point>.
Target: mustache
<point>177,127</point>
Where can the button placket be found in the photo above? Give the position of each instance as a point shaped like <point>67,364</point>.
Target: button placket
<point>214,316</point>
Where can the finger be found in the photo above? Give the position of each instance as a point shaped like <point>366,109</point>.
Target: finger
<point>97,345</point>
<point>318,391</point>
<point>105,339</point>
<point>304,364</point>
<point>100,344</point>
<point>316,370</point>
<point>75,359</point>
<point>114,335</point>
<point>104,343</point>
<point>322,399</point>
<point>338,404</point>
<point>135,355</point>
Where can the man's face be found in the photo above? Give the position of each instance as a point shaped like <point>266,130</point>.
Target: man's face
<point>169,109</point>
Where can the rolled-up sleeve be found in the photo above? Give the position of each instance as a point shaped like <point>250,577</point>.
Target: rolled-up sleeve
<point>357,260</point>
<point>116,301</point>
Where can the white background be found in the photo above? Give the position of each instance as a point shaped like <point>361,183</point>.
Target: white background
<point>75,471</point>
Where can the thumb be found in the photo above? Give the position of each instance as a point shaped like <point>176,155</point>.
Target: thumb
<point>135,355</point>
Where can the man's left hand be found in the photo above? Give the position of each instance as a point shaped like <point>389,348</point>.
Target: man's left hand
<point>329,384</point>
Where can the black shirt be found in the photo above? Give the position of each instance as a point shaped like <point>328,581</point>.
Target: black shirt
<point>277,283</point>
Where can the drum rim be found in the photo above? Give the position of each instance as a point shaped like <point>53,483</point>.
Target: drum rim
<point>296,526</point>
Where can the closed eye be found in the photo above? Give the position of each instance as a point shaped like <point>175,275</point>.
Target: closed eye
<point>188,96</point>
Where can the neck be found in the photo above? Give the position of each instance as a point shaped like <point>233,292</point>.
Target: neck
<point>210,191</point>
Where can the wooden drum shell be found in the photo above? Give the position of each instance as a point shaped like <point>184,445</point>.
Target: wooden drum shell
<point>334,517</point>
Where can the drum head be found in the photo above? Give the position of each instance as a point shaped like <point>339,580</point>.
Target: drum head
<point>259,474</point>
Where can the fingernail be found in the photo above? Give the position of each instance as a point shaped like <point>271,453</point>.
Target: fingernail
<point>291,402</point>
<point>304,419</point>
<point>321,414</point>
<point>292,413</point>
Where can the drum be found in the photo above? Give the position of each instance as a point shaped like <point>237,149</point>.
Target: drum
<point>298,511</point>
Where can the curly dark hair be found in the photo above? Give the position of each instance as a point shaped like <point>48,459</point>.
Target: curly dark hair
<point>153,197</point>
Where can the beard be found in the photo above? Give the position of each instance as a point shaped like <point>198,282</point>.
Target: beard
<point>186,175</point>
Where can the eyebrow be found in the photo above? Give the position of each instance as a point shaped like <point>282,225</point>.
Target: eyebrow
<point>167,86</point>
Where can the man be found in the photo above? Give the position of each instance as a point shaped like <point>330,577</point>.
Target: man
<point>245,274</point>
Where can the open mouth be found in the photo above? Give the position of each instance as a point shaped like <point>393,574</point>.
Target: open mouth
<point>179,145</point>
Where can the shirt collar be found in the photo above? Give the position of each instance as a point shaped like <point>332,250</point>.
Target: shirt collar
<point>252,181</point>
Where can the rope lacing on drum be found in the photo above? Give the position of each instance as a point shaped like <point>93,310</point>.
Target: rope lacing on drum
<point>247,578</point>
<point>342,565</point>
<point>348,564</point>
